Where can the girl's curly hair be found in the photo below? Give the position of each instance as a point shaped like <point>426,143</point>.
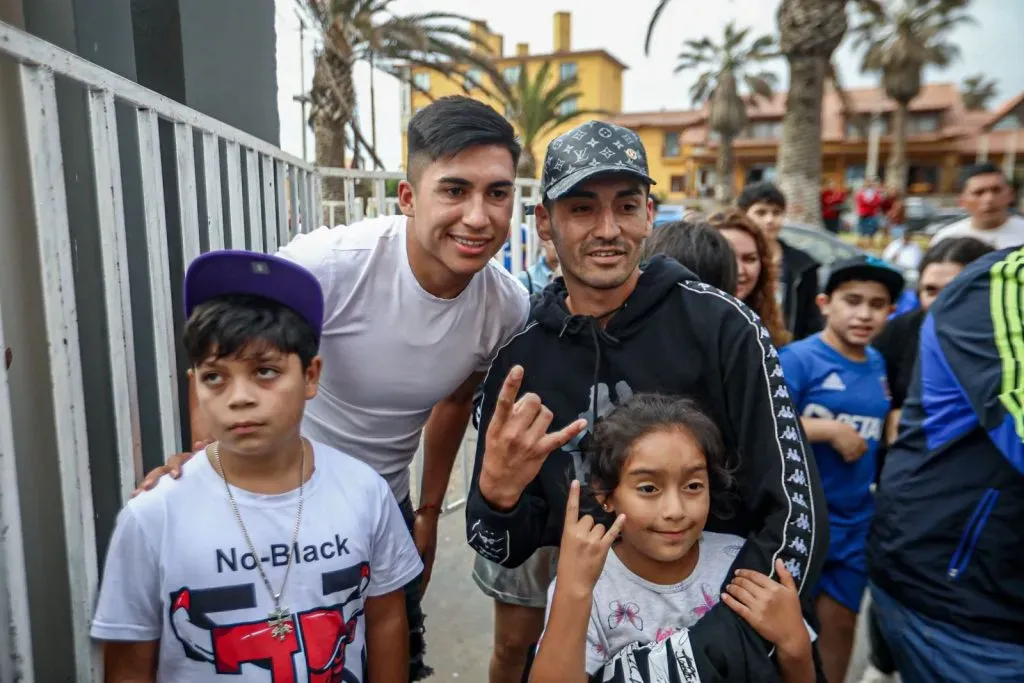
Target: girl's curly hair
<point>615,434</point>
<point>762,298</point>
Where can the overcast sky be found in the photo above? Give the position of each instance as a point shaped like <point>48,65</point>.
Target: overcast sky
<point>994,45</point>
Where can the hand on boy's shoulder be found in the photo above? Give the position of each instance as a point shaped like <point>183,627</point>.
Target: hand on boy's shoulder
<point>172,467</point>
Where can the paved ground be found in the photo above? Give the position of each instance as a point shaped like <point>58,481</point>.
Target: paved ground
<point>459,617</point>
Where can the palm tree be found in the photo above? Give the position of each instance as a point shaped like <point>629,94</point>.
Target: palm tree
<point>900,40</point>
<point>722,67</point>
<point>366,30</point>
<point>536,109</point>
<point>977,91</point>
<point>809,33</point>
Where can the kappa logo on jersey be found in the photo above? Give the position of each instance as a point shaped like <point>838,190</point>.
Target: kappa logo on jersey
<point>833,382</point>
<point>321,634</point>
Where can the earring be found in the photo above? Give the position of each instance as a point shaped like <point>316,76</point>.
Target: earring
<point>607,507</point>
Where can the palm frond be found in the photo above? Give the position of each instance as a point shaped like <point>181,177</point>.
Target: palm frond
<point>702,89</point>
<point>662,4</point>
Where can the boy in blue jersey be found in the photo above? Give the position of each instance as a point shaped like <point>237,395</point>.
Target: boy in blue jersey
<point>837,383</point>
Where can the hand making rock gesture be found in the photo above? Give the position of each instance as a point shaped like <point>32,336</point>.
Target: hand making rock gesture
<point>518,442</point>
<point>585,546</point>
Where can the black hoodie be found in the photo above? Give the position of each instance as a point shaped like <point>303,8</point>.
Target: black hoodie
<point>800,278</point>
<point>677,336</point>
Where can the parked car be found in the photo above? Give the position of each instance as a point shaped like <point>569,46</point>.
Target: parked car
<point>826,249</point>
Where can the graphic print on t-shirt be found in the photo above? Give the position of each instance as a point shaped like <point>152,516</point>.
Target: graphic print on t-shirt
<point>321,635</point>
<point>180,571</point>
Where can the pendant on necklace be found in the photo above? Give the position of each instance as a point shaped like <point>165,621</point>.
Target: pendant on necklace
<point>280,623</point>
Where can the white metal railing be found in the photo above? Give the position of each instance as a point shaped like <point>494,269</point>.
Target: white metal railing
<point>233,191</point>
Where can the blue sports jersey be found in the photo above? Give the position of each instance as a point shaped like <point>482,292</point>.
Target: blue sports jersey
<point>825,384</point>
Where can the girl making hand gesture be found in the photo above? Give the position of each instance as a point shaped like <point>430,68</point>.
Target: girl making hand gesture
<point>654,461</point>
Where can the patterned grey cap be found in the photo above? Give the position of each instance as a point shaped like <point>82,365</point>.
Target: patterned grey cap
<point>592,148</point>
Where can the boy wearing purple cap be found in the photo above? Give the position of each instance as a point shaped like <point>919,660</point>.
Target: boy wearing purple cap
<point>277,559</point>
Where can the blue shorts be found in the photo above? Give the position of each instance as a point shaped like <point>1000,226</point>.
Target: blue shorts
<point>867,226</point>
<point>844,577</point>
<point>928,651</point>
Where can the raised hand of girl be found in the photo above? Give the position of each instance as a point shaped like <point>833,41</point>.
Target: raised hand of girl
<point>584,547</point>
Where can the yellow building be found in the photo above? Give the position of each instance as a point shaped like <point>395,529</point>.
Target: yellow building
<point>598,74</point>
<point>943,137</point>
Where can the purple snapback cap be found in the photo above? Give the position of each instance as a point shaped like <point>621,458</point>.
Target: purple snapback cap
<point>229,271</point>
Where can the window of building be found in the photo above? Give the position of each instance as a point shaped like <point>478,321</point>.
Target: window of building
<point>670,146</point>
<point>765,130</point>
<point>1008,122</point>
<point>421,80</point>
<point>677,183</point>
<point>473,77</point>
<point>923,122</point>
<point>567,71</point>
<point>511,73</point>
<point>859,127</point>
<point>568,107</point>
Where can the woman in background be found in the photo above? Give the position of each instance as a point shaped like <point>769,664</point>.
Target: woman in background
<point>757,279</point>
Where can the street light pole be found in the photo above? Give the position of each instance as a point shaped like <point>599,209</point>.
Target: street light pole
<point>303,98</point>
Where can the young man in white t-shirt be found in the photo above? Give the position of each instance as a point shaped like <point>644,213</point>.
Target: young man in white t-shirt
<point>415,309</point>
<point>277,559</point>
<point>986,195</point>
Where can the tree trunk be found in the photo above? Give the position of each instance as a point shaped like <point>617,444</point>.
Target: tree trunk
<point>799,157</point>
<point>527,164</point>
<point>723,168</point>
<point>896,170</point>
<point>333,97</point>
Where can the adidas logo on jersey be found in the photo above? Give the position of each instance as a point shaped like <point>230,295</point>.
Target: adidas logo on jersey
<point>834,382</point>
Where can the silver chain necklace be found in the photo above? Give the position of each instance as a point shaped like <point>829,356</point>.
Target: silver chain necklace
<point>279,620</point>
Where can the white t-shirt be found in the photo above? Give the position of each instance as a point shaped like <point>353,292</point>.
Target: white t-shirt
<point>179,571</point>
<point>1009,234</point>
<point>391,350</point>
<point>628,609</point>
<point>903,254</point>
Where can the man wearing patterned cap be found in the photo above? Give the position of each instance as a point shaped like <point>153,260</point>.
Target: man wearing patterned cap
<point>606,330</point>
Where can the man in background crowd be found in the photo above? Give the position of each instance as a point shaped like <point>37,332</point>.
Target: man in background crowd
<point>945,546</point>
<point>987,196</point>
<point>832,199</point>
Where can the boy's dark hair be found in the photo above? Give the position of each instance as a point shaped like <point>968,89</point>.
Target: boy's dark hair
<point>225,326</point>
<point>961,250</point>
<point>987,168</point>
<point>699,247</point>
<point>642,414</point>
<point>453,124</point>
<point>761,193</point>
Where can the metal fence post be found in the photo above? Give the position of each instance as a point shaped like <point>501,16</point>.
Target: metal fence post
<point>159,282</point>
<point>49,201</point>
<point>116,288</point>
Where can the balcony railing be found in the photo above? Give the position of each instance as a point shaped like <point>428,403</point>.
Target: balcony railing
<point>233,191</point>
